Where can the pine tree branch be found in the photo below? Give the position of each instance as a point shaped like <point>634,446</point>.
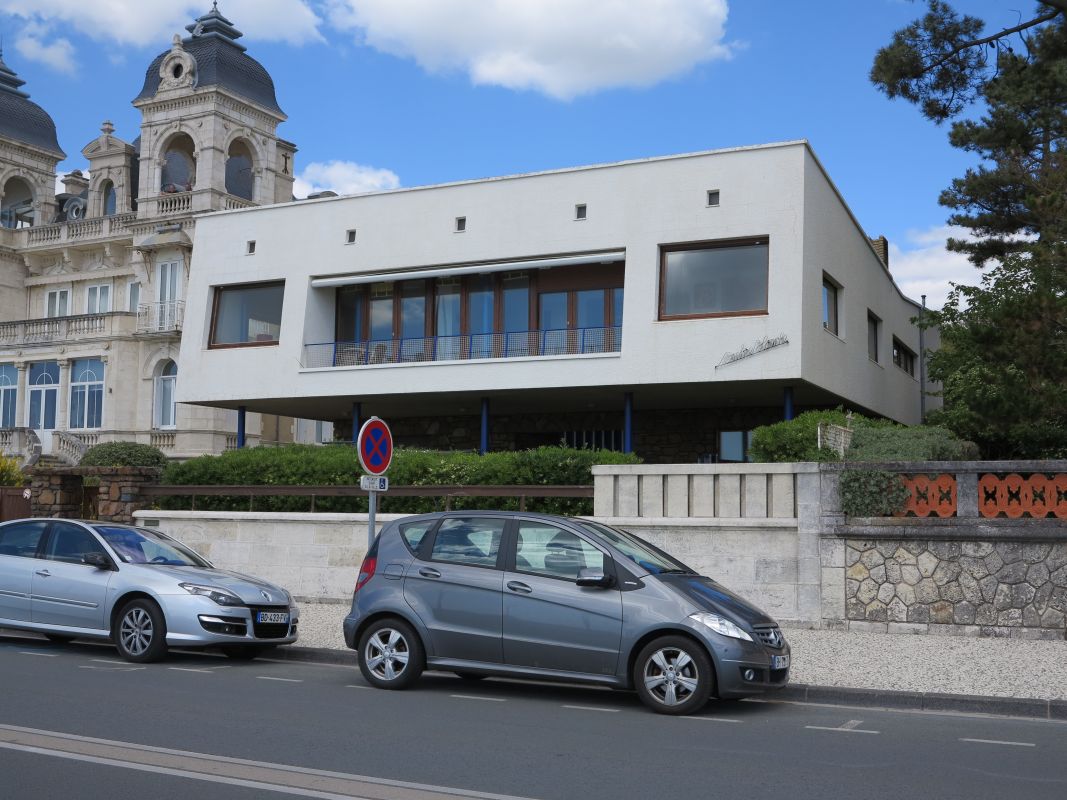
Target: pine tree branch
<point>1061,10</point>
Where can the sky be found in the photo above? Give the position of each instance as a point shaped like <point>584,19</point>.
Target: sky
<point>387,93</point>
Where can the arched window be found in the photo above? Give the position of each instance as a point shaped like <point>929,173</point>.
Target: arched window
<point>107,191</point>
<point>239,170</point>
<point>164,407</point>
<point>179,166</point>
<point>86,393</point>
<point>16,206</point>
<point>9,387</point>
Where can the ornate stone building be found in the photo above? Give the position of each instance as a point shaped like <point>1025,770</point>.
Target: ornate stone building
<point>93,278</point>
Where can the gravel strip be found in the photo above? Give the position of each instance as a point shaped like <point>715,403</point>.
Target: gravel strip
<point>902,662</point>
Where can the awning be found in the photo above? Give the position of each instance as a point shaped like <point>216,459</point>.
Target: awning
<point>603,257</point>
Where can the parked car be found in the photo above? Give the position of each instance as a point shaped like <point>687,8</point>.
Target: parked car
<point>546,597</point>
<point>136,586</point>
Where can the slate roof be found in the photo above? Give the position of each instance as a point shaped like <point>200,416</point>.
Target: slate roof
<point>23,120</point>
<point>220,61</point>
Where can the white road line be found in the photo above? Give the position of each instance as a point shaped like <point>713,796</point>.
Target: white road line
<point>841,729</point>
<point>109,661</point>
<point>997,741</point>
<point>712,719</point>
<point>189,669</point>
<point>593,708</point>
<point>287,680</point>
<point>34,653</point>
<point>357,686</point>
<point>475,697</point>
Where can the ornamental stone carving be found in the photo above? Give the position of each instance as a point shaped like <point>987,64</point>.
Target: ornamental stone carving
<point>178,69</point>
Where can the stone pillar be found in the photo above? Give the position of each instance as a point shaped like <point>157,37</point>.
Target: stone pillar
<point>21,394</point>
<point>63,401</point>
<point>816,599</point>
<point>120,491</point>
<point>55,493</point>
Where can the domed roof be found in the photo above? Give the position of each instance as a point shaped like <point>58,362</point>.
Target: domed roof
<point>220,61</point>
<point>23,120</point>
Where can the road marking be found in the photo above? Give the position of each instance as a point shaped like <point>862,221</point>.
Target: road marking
<point>357,686</point>
<point>34,653</point>
<point>264,776</point>
<point>475,697</point>
<point>712,719</point>
<point>997,741</point>
<point>109,661</point>
<point>594,708</point>
<point>189,669</point>
<point>852,726</point>
<point>286,680</point>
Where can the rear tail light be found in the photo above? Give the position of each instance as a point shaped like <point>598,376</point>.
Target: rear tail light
<point>366,571</point>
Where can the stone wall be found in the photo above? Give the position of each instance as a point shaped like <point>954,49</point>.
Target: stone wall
<point>58,492</point>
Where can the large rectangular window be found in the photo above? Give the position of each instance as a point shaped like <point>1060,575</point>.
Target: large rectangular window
<point>86,393</point>
<point>250,314</point>
<point>903,357</point>
<point>98,299</point>
<point>714,279</point>
<point>9,387</point>
<point>57,303</point>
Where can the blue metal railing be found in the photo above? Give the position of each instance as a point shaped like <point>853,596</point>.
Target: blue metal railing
<point>468,347</point>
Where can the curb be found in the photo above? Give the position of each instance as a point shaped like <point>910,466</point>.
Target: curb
<point>803,693</point>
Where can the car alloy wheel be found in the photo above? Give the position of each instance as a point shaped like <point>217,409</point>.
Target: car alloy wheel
<point>674,675</point>
<point>671,676</point>
<point>136,631</point>
<point>390,655</point>
<point>140,632</point>
<point>387,654</point>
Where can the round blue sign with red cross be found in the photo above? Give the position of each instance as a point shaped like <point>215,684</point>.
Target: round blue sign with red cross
<point>375,446</point>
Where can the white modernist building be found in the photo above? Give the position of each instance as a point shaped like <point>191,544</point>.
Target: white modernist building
<point>667,305</point>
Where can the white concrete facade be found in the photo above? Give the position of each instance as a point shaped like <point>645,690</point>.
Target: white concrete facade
<point>777,193</point>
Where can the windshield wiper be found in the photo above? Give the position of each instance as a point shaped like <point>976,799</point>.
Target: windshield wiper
<point>676,572</point>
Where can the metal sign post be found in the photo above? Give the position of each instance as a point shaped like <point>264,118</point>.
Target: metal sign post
<point>374,446</point>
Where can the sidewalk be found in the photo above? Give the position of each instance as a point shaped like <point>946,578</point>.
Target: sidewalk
<point>887,663</point>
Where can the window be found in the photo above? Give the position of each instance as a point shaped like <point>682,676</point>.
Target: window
<point>57,303</point>
<point>250,314</point>
<point>107,191</point>
<point>713,197</point>
<point>553,552</point>
<point>734,446</point>
<point>44,395</point>
<point>350,236</point>
<point>250,247</point>
<point>468,540</point>
<point>21,538</point>
<point>179,165</point>
<point>164,406</point>
<point>461,224</point>
<point>718,279</point>
<point>873,327</point>
<point>98,299</point>
<point>240,178</point>
<point>9,387</point>
<point>593,439</point>
<point>580,211</point>
<point>829,304</point>
<point>414,532</point>
<point>133,296</point>
<point>71,544</point>
<point>903,357</point>
<point>16,204</point>
<point>86,393</point>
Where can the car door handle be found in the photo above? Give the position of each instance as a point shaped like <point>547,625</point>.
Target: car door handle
<point>43,573</point>
<point>429,572</point>
<point>519,587</point>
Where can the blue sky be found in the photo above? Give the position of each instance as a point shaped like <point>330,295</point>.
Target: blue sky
<point>382,93</point>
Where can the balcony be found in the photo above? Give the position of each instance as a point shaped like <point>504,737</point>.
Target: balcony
<point>65,329</point>
<point>472,347</point>
<point>160,317</point>
<point>70,233</point>
<point>196,201</point>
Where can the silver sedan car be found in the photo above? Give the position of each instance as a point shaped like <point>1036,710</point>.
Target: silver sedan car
<point>138,587</point>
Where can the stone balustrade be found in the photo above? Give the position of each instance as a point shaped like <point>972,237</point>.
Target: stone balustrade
<point>60,329</point>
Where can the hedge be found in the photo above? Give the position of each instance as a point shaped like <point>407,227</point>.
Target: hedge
<point>310,465</point>
<point>798,439</point>
<point>123,454</point>
<point>10,474</point>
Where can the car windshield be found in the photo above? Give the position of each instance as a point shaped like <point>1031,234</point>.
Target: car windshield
<point>637,550</point>
<point>144,546</point>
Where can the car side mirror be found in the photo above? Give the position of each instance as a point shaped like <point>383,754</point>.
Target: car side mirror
<point>98,560</point>
<point>591,576</point>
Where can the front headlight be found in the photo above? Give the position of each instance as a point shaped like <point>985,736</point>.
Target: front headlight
<point>220,596</point>
<point>720,625</point>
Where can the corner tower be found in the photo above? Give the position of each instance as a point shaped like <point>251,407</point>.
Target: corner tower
<point>209,127</point>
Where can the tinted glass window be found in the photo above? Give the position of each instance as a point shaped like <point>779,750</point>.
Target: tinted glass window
<point>468,541</point>
<point>21,538</point>
<point>637,550</point>
<point>718,280</point>
<point>146,546</point>
<point>553,552</point>
<point>70,543</point>
<point>413,533</point>
<point>248,314</point>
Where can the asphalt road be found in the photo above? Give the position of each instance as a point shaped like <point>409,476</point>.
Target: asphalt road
<point>76,722</point>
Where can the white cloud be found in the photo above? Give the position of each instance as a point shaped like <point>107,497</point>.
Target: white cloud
<point>558,47</point>
<point>924,266</point>
<point>343,177</point>
<point>35,43</point>
<point>154,22</point>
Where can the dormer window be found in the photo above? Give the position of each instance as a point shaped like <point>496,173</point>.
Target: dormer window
<point>110,198</point>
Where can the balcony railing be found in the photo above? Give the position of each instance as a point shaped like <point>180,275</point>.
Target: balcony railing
<point>72,232</point>
<point>160,317</point>
<point>471,347</point>
<point>58,329</point>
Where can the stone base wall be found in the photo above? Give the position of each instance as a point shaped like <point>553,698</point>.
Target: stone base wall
<point>58,492</point>
<point>977,588</point>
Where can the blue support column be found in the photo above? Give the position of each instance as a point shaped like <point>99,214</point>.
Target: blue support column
<point>241,426</point>
<point>483,448</point>
<point>628,422</point>
<point>787,403</point>
<point>357,414</point>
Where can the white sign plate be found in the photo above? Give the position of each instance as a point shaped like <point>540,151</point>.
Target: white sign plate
<point>374,483</point>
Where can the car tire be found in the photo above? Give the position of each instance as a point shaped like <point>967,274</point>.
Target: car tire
<point>58,638</point>
<point>390,654</point>
<point>674,675</point>
<point>240,652</point>
<point>140,632</point>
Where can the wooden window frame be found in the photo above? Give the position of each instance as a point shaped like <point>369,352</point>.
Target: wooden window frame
<point>216,293</point>
<point>713,244</point>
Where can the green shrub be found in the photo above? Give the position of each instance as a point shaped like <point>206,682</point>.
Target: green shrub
<point>900,443</point>
<point>871,493</point>
<point>798,439</point>
<point>310,465</point>
<point>123,454</point>
<point>10,474</point>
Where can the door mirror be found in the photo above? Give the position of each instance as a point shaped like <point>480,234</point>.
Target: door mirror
<point>591,576</point>
<point>98,560</point>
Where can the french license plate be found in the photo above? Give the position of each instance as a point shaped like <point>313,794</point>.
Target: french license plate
<point>779,662</point>
<point>272,616</point>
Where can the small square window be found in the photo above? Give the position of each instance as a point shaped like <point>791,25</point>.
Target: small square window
<point>713,197</point>
<point>250,248</point>
<point>350,236</point>
<point>580,211</point>
<point>461,224</point>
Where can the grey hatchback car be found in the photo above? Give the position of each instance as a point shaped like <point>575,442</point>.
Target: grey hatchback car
<point>536,596</point>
